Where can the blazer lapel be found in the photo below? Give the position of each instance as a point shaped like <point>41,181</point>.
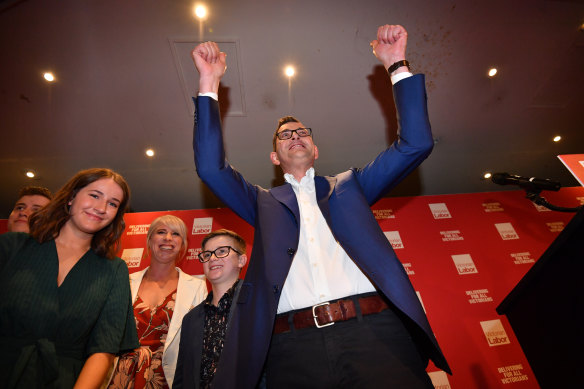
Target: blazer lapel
<point>285,195</point>
<point>234,301</point>
<point>198,329</point>
<point>184,297</point>
<point>324,187</point>
<point>135,281</point>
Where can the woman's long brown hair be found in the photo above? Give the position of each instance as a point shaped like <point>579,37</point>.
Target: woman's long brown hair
<point>46,224</point>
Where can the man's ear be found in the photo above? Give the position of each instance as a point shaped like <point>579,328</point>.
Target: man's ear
<point>242,260</point>
<point>315,152</point>
<point>274,158</point>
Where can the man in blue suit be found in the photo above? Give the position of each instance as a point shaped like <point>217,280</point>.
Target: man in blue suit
<point>325,301</point>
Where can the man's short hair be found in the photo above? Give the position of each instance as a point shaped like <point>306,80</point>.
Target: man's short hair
<point>281,122</point>
<point>239,241</point>
<point>35,191</point>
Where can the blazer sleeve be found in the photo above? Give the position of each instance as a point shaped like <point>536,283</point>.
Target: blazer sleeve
<point>177,381</point>
<point>413,146</point>
<point>190,292</point>
<point>187,372</point>
<point>212,167</point>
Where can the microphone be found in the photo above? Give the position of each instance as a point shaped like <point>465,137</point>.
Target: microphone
<point>524,182</point>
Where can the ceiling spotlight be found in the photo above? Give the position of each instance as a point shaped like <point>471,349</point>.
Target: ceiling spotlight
<point>492,72</point>
<point>557,138</point>
<point>289,71</point>
<point>150,153</point>
<point>487,175</point>
<point>200,11</point>
<point>49,76</point>
<point>30,174</point>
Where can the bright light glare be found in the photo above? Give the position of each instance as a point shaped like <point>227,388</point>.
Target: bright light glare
<point>150,152</point>
<point>200,11</point>
<point>487,175</point>
<point>492,72</point>
<point>30,174</point>
<point>289,71</point>
<point>49,76</point>
<point>557,138</point>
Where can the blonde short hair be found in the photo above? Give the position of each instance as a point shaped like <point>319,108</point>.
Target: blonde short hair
<point>176,225</point>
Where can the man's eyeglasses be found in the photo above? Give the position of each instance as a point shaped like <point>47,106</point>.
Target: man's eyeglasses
<point>220,252</point>
<point>287,134</point>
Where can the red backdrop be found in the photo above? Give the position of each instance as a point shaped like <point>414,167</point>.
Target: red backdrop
<point>464,253</point>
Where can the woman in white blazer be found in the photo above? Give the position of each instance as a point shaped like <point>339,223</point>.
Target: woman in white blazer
<point>162,294</point>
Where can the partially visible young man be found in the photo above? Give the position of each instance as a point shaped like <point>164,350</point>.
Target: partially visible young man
<point>204,327</point>
<point>30,200</point>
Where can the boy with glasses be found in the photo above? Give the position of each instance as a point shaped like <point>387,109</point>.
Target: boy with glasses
<point>203,329</point>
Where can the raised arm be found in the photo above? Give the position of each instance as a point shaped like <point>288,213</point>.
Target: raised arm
<point>212,167</point>
<point>211,65</point>
<point>390,46</point>
<point>415,141</point>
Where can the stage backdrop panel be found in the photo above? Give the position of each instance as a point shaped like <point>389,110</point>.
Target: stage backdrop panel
<point>463,253</point>
<point>199,223</point>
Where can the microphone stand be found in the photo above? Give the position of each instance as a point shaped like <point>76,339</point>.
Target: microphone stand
<point>533,195</point>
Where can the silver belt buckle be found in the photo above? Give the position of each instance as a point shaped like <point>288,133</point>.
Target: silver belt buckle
<point>315,317</point>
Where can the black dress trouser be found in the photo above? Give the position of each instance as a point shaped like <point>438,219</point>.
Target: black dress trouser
<point>373,351</point>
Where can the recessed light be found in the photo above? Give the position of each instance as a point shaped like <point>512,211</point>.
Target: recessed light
<point>150,153</point>
<point>30,174</point>
<point>557,138</point>
<point>200,11</point>
<point>50,77</point>
<point>492,72</point>
<point>487,175</point>
<point>289,71</point>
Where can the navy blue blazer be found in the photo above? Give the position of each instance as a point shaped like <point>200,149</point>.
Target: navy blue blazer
<point>344,200</point>
<point>188,365</point>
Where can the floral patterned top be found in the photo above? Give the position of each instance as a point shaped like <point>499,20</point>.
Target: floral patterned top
<point>142,368</point>
<point>216,319</point>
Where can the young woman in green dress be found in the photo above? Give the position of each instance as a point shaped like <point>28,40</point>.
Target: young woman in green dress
<point>65,305</point>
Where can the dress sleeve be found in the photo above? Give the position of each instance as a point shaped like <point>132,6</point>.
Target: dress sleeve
<point>10,243</point>
<point>115,329</point>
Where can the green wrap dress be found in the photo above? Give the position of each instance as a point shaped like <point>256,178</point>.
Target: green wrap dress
<point>48,331</point>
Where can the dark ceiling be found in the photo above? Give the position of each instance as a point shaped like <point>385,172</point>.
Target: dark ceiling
<point>124,79</point>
